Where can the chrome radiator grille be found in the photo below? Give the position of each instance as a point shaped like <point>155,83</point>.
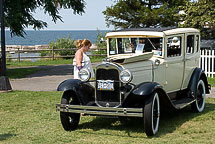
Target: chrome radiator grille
<point>108,98</point>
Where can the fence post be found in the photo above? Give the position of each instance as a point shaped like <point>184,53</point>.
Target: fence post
<point>212,58</point>
<point>52,53</point>
<point>19,55</point>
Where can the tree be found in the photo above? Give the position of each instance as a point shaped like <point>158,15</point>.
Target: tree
<point>143,13</point>
<point>201,15</point>
<point>19,13</point>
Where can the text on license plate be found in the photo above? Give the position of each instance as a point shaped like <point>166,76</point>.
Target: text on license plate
<point>105,85</point>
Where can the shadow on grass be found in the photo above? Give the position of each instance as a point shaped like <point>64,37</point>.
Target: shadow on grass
<point>6,136</point>
<point>169,122</point>
<point>127,125</point>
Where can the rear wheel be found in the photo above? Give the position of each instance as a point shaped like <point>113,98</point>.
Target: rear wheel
<point>69,121</point>
<point>152,114</point>
<point>199,104</point>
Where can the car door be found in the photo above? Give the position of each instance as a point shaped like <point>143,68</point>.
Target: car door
<point>174,62</point>
<point>192,55</point>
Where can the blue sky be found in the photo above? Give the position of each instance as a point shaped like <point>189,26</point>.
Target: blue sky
<point>92,19</point>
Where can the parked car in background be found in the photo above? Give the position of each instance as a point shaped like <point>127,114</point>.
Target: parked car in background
<point>146,70</point>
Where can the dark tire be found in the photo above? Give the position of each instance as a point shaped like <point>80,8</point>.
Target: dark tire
<point>199,104</point>
<point>69,121</point>
<point>152,114</point>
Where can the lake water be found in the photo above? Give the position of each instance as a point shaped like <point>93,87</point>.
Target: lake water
<point>44,37</point>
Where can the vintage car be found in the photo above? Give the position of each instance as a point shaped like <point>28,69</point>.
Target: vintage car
<point>146,70</point>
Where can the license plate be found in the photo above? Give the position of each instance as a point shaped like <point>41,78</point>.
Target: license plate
<point>105,85</point>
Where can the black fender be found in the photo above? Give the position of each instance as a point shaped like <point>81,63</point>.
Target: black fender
<point>198,74</point>
<point>70,84</point>
<point>144,90</point>
<point>83,90</point>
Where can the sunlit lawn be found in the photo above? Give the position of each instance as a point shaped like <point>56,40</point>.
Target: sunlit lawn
<point>23,63</point>
<point>21,72</point>
<point>30,117</point>
<point>211,81</point>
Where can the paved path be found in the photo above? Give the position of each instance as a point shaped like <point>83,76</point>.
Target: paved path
<point>49,78</point>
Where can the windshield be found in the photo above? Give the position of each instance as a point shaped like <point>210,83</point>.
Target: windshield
<point>135,45</point>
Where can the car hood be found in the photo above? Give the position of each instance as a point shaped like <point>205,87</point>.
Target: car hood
<point>130,58</point>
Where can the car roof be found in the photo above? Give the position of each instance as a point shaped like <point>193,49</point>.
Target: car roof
<point>150,32</point>
<point>147,29</point>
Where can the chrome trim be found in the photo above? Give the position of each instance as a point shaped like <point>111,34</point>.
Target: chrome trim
<point>110,66</point>
<point>95,110</point>
<point>107,66</point>
<point>131,76</point>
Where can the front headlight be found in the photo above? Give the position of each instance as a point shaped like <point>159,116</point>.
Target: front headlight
<point>125,76</point>
<point>84,74</point>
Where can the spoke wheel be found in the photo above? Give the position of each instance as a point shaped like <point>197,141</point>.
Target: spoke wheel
<point>152,114</point>
<point>199,104</point>
<point>69,121</point>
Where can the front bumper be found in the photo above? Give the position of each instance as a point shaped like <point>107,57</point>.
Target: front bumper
<point>102,111</point>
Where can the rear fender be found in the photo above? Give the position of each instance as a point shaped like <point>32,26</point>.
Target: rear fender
<point>83,90</point>
<point>196,76</point>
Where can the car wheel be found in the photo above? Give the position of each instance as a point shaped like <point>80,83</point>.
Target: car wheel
<point>152,114</point>
<point>199,104</point>
<point>69,121</point>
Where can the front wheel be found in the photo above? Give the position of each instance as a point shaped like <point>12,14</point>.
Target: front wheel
<point>152,114</point>
<point>69,121</point>
<point>199,104</point>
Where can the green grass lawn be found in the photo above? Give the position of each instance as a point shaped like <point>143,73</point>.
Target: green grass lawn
<point>15,69</point>
<point>21,72</point>
<point>30,117</point>
<point>11,64</point>
<point>211,81</point>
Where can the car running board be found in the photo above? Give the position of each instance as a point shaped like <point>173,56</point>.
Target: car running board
<point>181,103</point>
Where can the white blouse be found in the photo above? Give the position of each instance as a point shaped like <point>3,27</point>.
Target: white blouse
<point>85,63</point>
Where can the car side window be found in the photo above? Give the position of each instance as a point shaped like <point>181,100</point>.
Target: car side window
<point>190,44</point>
<point>197,43</point>
<point>174,46</point>
<point>112,43</point>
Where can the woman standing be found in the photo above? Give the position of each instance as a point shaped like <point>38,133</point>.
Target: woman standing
<point>81,60</point>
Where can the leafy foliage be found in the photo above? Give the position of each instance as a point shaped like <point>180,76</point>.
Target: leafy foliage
<point>19,13</point>
<point>101,40</point>
<point>199,14</point>
<point>100,43</point>
<point>139,13</point>
<point>64,43</point>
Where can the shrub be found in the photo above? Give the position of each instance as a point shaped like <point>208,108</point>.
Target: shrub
<point>100,43</point>
<point>62,43</point>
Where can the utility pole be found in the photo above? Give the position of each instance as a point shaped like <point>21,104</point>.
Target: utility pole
<point>4,81</point>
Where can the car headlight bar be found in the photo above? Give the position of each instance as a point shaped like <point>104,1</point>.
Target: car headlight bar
<point>125,76</point>
<point>84,74</point>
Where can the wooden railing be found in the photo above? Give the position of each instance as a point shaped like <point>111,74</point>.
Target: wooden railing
<point>52,55</point>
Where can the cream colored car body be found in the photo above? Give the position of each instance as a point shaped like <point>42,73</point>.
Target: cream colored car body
<point>172,72</point>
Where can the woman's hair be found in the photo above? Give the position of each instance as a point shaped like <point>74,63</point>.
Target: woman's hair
<point>81,43</point>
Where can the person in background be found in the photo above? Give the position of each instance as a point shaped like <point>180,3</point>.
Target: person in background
<point>81,60</point>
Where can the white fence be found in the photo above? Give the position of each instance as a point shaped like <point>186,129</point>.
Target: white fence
<point>207,62</point>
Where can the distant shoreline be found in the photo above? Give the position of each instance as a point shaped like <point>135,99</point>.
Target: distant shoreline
<point>44,37</point>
